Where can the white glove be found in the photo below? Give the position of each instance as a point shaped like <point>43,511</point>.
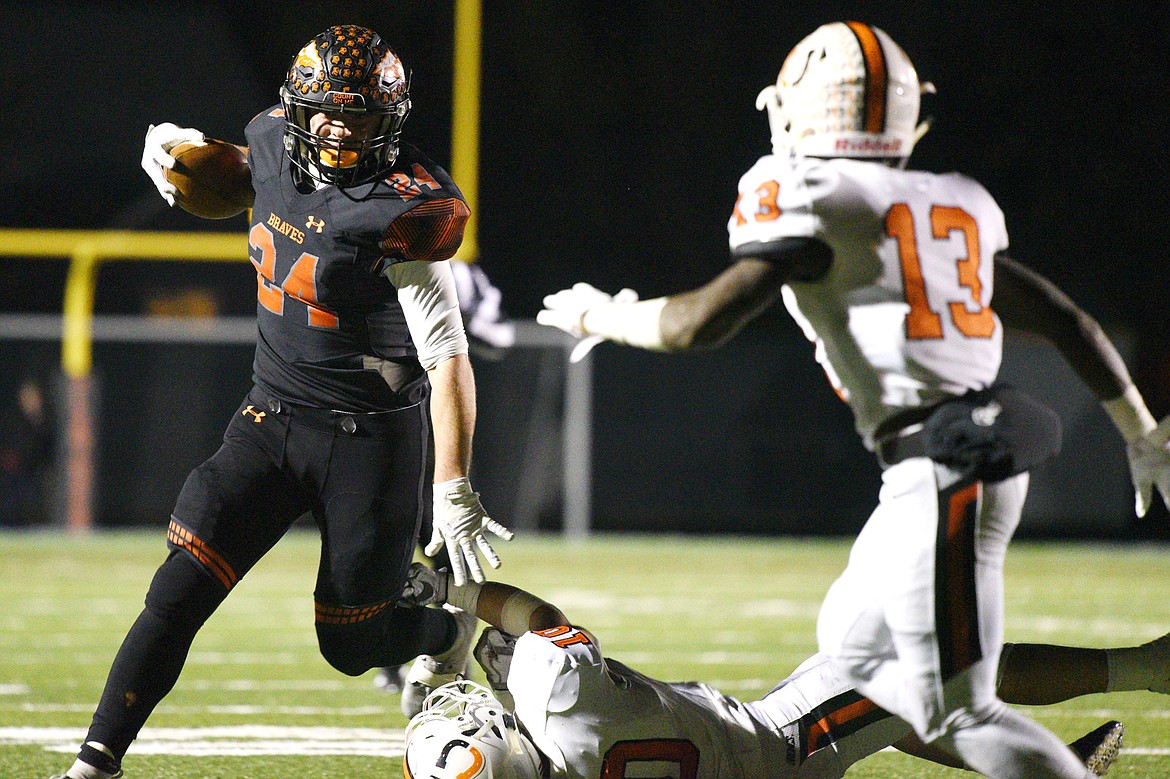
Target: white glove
<point>566,310</point>
<point>156,154</point>
<point>458,520</point>
<point>1149,465</point>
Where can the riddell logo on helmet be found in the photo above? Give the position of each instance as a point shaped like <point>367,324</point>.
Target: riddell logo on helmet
<point>869,145</point>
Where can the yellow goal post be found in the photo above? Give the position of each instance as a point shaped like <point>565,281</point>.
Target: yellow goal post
<point>86,250</point>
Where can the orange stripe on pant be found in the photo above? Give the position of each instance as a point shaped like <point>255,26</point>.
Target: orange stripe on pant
<point>347,615</point>
<point>208,557</point>
<point>956,604</point>
<point>827,726</point>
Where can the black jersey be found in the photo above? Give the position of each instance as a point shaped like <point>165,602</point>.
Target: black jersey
<point>331,331</point>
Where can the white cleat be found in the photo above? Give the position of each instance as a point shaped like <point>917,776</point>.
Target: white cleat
<point>427,672</point>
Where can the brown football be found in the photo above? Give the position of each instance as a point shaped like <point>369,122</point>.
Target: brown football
<point>214,180</point>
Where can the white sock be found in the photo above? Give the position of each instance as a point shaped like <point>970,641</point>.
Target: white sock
<point>83,770</point>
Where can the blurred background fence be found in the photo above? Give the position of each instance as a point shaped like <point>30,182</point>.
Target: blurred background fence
<point>607,140</point>
<point>711,443</point>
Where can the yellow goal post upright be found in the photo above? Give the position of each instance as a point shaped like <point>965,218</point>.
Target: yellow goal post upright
<point>86,251</point>
<point>577,417</point>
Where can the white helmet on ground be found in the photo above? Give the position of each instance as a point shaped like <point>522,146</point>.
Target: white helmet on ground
<point>846,90</point>
<point>463,732</point>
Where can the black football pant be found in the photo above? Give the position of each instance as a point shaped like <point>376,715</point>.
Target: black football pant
<point>362,476</point>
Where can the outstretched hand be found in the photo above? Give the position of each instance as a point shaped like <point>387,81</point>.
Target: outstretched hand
<point>1149,466</point>
<point>566,310</point>
<point>424,586</point>
<point>461,523</point>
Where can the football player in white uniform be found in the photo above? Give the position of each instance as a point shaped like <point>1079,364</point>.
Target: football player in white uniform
<point>891,272</point>
<point>559,708</point>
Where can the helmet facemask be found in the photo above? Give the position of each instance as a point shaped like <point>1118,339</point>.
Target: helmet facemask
<point>346,73</point>
<point>464,731</point>
<point>846,90</point>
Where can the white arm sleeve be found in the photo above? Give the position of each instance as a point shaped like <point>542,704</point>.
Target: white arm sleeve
<point>426,292</point>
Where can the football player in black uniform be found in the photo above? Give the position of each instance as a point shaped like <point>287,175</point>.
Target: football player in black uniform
<point>359,327</point>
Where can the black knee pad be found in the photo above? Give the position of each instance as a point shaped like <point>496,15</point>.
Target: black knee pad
<point>392,637</point>
<point>348,648</point>
<point>184,592</point>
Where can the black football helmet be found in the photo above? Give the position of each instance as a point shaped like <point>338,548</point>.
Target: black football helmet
<point>345,70</point>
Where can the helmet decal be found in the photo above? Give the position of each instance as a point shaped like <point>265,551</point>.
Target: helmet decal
<point>346,71</point>
<point>389,76</point>
<point>308,57</point>
<point>845,90</point>
<point>477,760</point>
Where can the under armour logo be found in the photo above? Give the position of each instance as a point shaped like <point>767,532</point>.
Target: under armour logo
<point>985,416</point>
<point>313,223</point>
<point>252,410</point>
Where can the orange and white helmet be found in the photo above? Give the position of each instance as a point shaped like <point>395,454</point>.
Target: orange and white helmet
<point>463,732</point>
<point>846,90</point>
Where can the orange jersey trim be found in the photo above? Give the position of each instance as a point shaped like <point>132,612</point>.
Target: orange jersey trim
<point>430,231</point>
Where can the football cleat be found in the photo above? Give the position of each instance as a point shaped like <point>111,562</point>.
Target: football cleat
<point>95,774</point>
<point>94,761</point>
<point>1099,748</point>
<point>389,679</point>
<point>428,672</point>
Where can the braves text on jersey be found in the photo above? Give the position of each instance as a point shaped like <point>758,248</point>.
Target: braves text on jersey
<point>331,331</point>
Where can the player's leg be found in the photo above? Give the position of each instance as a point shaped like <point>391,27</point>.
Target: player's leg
<point>915,622</point>
<point>390,678</point>
<point>371,503</point>
<point>990,737</point>
<point>231,510</point>
<point>1039,674</point>
<point>1097,750</point>
<point>887,586</point>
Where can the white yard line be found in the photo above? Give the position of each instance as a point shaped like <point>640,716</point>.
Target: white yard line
<point>238,740</point>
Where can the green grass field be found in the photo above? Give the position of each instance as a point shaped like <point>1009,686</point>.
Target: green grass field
<point>256,701</point>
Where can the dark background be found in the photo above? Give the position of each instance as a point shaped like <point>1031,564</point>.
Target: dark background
<point>612,138</point>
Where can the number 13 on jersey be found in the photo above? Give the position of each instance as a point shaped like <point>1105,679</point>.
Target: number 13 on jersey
<point>971,316</point>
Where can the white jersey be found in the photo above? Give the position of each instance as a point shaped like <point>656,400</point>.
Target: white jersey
<point>902,318</point>
<point>597,719</point>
